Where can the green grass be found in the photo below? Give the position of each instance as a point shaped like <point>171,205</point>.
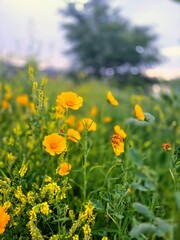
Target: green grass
<point>135,195</point>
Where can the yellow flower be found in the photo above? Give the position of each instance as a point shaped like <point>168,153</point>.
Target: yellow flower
<point>8,95</point>
<point>54,144</point>
<point>117,144</point>
<point>44,208</point>
<point>69,100</point>
<point>5,104</point>
<point>139,112</point>
<point>104,238</point>
<point>59,111</point>
<point>107,119</point>
<point>75,237</point>
<point>73,135</point>
<point>22,100</point>
<point>32,107</point>
<point>71,120</point>
<point>64,169</point>
<point>4,219</point>
<point>94,111</point>
<point>87,123</point>
<point>111,99</point>
<point>118,130</point>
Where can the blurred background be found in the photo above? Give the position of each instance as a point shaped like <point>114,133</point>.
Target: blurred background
<point>117,39</point>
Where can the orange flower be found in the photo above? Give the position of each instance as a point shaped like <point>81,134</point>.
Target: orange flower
<point>87,123</point>
<point>4,219</point>
<point>64,169</point>
<point>59,111</point>
<point>111,99</point>
<point>118,130</point>
<point>54,144</point>
<point>117,144</point>
<point>32,107</point>
<point>8,95</point>
<point>107,119</point>
<point>166,146</point>
<point>71,120</point>
<point>139,112</point>
<point>73,135</point>
<point>93,111</point>
<point>69,100</point>
<point>5,104</point>
<point>22,100</point>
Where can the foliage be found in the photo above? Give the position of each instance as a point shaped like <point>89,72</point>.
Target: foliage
<point>103,41</point>
<point>88,190</point>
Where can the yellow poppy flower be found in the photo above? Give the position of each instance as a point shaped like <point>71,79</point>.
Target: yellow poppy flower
<point>117,144</point>
<point>118,130</point>
<point>69,100</point>
<point>4,219</point>
<point>22,100</point>
<point>54,144</point>
<point>139,112</point>
<point>111,99</point>
<point>73,135</point>
<point>87,123</point>
<point>94,111</point>
<point>64,169</point>
<point>107,119</point>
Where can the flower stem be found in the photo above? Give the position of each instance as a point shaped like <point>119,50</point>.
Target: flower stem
<point>85,166</point>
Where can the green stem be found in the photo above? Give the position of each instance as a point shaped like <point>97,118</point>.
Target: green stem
<point>85,166</point>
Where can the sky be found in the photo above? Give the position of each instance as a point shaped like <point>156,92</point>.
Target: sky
<point>30,27</point>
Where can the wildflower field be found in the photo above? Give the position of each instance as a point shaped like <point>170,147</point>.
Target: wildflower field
<point>87,161</point>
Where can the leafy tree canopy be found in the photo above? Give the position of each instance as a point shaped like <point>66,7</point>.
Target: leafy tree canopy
<point>102,39</point>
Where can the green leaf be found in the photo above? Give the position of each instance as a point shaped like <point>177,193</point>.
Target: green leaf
<point>163,227</point>
<point>142,209</point>
<point>136,122</point>
<point>119,216</point>
<point>140,187</point>
<point>135,156</point>
<point>177,197</point>
<point>142,228</point>
<point>149,118</point>
<point>97,204</point>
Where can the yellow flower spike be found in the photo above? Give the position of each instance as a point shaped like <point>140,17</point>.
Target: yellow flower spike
<point>69,100</point>
<point>111,99</point>
<point>4,219</point>
<point>44,208</point>
<point>87,123</point>
<point>54,144</point>
<point>139,112</point>
<point>73,135</point>
<point>118,130</point>
<point>64,169</point>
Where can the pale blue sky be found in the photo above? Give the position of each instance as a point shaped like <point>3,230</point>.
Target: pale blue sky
<point>29,27</point>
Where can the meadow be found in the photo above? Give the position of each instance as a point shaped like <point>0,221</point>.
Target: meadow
<point>88,161</point>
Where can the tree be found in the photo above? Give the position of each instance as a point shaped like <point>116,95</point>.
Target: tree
<point>102,39</point>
